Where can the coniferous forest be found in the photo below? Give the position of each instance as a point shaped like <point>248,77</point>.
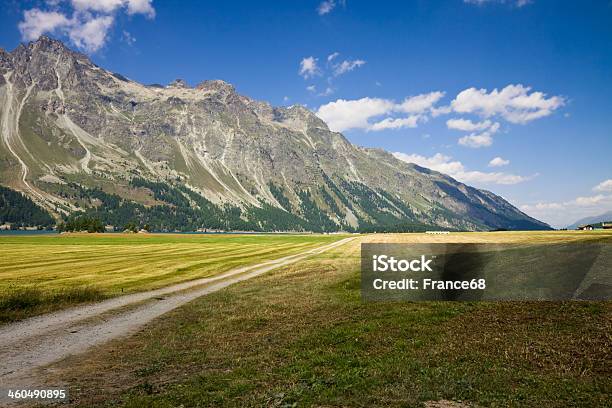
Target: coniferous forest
<point>18,210</point>
<point>181,209</point>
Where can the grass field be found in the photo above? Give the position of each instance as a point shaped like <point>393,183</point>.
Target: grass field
<point>42,273</point>
<point>301,336</point>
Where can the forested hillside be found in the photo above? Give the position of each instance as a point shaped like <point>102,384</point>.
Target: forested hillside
<point>19,210</point>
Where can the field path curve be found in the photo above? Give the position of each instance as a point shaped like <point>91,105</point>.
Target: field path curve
<point>42,340</point>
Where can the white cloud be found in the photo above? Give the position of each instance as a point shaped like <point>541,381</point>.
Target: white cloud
<point>498,162</point>
<point>484,139</point>
<point>398,123</point>
<point>604,186</point>
<point>105,6</point>
<point>328,91</point>
<point>589,201</point>
<point>309,67</point>
<point>91,35</point>
<point>438,162</point>
<point>514,103</point>
<point>442,110</point>
<point>141,7</point>
<point>313,89</point>
<point>342,114</point>
<point>467,125</point>
<point>128,38</point>
<point>326,7</point>
<point>332,68</point>
<point>331,56</point>
<point>109,6</point>
<point>420,103</point>
<point>88,34</point>
<point>347,66</point>
<point>518,3</point>
<point>542,206</point>
<point>476,140</point>
<point>561,214</point>
<point>456,169</point>
<point>480,177</point>
<point>90,24</point>
<point>37,22</point>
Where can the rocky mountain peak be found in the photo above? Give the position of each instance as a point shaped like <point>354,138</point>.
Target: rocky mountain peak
<point>217,85</point>
<point>299,112</point>
<point>178,84</point>
<point>47,43</point>
<point>50,48</point>
<point>43,61</point>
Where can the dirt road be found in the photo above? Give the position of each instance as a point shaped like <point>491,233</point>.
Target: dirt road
<point>39,341</point>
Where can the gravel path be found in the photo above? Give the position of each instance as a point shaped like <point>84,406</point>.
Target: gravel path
<point>39,341</point>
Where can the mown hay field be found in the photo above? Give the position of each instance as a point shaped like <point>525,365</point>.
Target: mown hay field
<point>58,270</point>
<point>128,262</point>
<point>44,273</point>
<point>302,336</point>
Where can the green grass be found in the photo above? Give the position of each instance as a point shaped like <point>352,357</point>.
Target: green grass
<point>301,336</point>
<point>42,273</point>
<point>24,302</point>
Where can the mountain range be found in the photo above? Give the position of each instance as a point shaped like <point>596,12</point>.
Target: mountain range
<point>80,140</point>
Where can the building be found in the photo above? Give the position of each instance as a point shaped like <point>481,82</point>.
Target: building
<point>606,225</point>
<point>586,227</point>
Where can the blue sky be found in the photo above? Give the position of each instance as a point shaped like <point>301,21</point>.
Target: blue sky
<point>513,96</point>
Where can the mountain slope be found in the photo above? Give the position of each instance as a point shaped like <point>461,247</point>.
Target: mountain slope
<point>77,138</point>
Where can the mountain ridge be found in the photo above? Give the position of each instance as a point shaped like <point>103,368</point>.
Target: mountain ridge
<point>79,139</point>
